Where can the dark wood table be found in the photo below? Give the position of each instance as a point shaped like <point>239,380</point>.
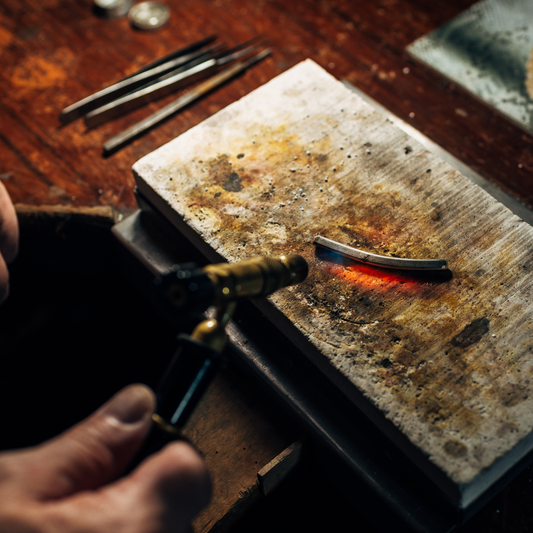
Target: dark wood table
<point>54,52</point>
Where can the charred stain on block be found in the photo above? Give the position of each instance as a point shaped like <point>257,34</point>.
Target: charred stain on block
<point>472,333</point>
<point>455,448</point>
<point>512,394</point>
<point>233,183</point>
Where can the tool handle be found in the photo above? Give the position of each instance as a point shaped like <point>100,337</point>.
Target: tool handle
<point>185,380</point>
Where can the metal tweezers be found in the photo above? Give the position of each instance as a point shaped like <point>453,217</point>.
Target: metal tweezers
<point>140,78</point>
<point>380,260</point>
<point>149,122</point>
<point>165,75</point>
<point>193,71</point>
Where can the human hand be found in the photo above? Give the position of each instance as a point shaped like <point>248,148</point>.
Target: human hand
<point>69,484</point>
<point>9,236</point>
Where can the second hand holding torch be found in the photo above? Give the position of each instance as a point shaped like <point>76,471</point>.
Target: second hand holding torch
<point>193,290</point>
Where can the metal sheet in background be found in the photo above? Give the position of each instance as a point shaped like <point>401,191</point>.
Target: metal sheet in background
<point>486,50</point>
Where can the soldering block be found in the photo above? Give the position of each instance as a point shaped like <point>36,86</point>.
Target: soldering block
<point>442,366</point>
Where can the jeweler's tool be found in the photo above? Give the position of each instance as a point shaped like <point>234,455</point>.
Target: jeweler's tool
<point>176,53</point>
<point>150,72</point>
<point>221,55</point>
<point>160,88</point>
<point>149,122</point>
<point>199,355</point>
<point>380,260</point>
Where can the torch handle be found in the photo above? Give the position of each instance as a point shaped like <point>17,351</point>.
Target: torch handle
<point>185,380</point>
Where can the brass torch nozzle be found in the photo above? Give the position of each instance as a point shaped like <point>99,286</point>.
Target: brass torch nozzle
<point>256,277</point>
<point>192,289</point>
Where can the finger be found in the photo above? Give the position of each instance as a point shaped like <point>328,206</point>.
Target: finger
<point>4,280</point>
<point>95,451</point>
<point>177,474</point>
<point>163,495</point>
<point>9,229</point>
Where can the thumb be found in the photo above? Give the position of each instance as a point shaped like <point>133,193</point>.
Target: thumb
<point>95,451</point>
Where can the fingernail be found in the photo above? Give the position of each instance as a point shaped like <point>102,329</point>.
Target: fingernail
<point>131,404</point>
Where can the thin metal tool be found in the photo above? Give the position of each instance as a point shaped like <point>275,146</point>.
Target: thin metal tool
<point>380,260</point>
<point>136,130</point>
<point>140,78</point>
<point>224,56</point>
<point>155,90</point>
<point>203,55</point>
<point>176,53</point>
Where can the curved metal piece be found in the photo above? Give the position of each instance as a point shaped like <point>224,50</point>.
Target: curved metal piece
<point>380,260</point>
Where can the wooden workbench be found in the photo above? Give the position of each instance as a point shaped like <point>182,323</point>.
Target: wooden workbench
<point>52,53</point>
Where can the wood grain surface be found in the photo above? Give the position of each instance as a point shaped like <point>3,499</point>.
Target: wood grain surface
<point>55,52</point>
<point>237,443</point>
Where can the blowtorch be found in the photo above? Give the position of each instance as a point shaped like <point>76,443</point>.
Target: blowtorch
<point>193,290</point>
